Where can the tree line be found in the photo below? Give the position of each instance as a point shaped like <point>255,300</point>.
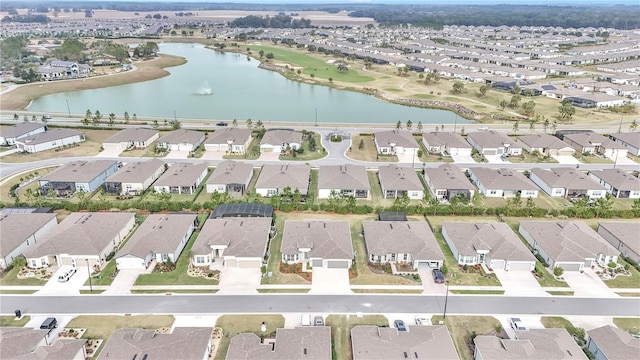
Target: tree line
<point>279,21</point>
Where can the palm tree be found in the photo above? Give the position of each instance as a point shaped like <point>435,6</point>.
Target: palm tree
<point>16,117</point>
<point>249,123</point>
<point>126,117</point>
<point>89,114</point>
<point>398,125</point>
<point>409,124</point>
<point>420,126</point>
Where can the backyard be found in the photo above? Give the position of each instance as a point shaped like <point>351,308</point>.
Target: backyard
<point>364,148</point>
<point>233,325</point>
<point>341,326</point>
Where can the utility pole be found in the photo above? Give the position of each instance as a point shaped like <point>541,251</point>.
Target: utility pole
<point>316,116</point>
<point>68,109</point>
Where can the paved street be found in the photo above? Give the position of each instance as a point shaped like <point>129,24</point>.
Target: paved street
<point>275,303</point>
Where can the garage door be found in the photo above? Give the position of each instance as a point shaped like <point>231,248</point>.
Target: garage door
<point>266,149</point>
<point>338,264</point>
<point>519,266</point>
<point>489,152</point>
<point>497,264</point>
<point>249,264</point>
<point>316,262</point>
<point>231,263</point>
<point>66,260</point>
<point>566,153</point>
<point>570,267</point>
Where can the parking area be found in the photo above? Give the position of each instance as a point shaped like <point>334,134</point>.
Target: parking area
<point>529,322</point>
<point>70,287</point>
<point>239,281</point>
<point>587,284</point>
<point>330,281</point>
<point>566,159</point>
<point>519,283</point>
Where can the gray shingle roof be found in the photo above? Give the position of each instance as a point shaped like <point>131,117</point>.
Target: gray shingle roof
<point>159,233</point>
<point>244,237</point>
<point>48,136</point>
<point>400,138</point>
<point>502,179</point>
<point>16,228</point>
<point>631,138</point>
<point>136,171</point>
<point>568,178</point>
<point>78,171</point>
<point>281,176</point>
<point>543,141</point>
<point>590,139</point>
<point>535,344</point>
<point>394,177</point>
<point>568,241</point>
<point>326,239</point>
<point>420,342</point>
<point>279,137</point>
<point>310,343</point>
<point>181,174</point>
<point>448,176</point>
<point>406,237</point>
<point>236,135</point>
<point>343,177</point>
<point>181,136</point>
<point>491,139</point>
<point>627,232</point>
<point>131,135</point>
<point>449,139</point>
<point>230,172</point>
<point>20,129</point>
<point>497,238</point>
<point>619,179</point>
<point>616,344</point>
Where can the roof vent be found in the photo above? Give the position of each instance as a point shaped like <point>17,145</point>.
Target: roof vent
<point>406,356</point>
<point>305,351</point>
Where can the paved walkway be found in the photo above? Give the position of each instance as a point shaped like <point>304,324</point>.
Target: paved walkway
<point>8,152</point>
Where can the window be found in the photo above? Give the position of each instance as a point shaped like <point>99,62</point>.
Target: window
<point>271,192</point>
<point>290,258</point>
<point>414,194</point>
<point>405,257</point>
<point>220,188</point>
<point>596,193</point>
<point>493,192</point>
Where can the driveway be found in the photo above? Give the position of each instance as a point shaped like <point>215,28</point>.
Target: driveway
<point>463,159</point>
<point>409,158</point>
<point>123,282</point>
<point>239,281</point>
<point>177,155</point>
<point>36,321</point>
<point>587,284</point>
<point>530,322</point>
<point>430,286</point>
<point>71,287</point>
<point>109,153</point>
<point>212,155</point>
<point>194,321</point>
<point>520,283</point>
<point>269,156</point>
<point>566,159</point>
<point>330,281</point>
<point>495,159</point>
<point>622,160</point>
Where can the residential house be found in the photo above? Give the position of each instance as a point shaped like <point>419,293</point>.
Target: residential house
<point>619,183</point>
<point>492,142</point>
<point>322,244</point>
<point>492,244</point>
<point>231,177</point>
<point>370,342</point>
<point>131,138</point>
<point>344,180</point>
<point>447,181</point>
<point>631,141</point>
<point>231,140</point>
<point>308,342</point>
<point>593,143</point>
<point>567,183</point>
<point>9,135</point>
<point>408,242</point>
<point>134,177</point>
<point>446,143</point>
<point>28,343</point>
<point>160,237</point>
<point>504,183</point>
<point>181,178</point>
<point>610,343</point>
<point>595,100</point>
<point>568,245</point>
<point>19,232</point>
<point>81,239</point>
<point>396,182</point>
<point>86,176</point>
<point>51,139</point>
<point>181,140</point>
<point>534,344</point>
<point>545,144</point>
<point>278,141</point>
<point>274,179</point>
<point>623,236</point>
<point>235,242</point>
<point>394,142</point>
<point>185,343</point>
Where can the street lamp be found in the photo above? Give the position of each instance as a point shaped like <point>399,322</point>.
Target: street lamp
<point>89,271</point>
<point>446,299</point>
<point>68,109</point>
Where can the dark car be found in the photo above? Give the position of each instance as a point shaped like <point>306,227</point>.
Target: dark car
<point>438,277</point>
<point>222,123</point>
<point>49,323</point>
<point>399,324</point>
<point>318,321</point>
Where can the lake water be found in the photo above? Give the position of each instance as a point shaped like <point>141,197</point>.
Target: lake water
<point>225,86</point>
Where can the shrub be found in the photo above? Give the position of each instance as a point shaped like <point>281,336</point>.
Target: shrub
<point>612,265</point>
<point>558,271</point>
<point>444,269</point>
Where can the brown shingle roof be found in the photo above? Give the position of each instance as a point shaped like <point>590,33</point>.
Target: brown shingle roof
<point>244,237</point>
<point>326,239</point>
<point>616,344</point>
<point>230,172</point>
<point>159,233</point>
<point>394,177</point>
<point>16,228</point>
<point>497,238</point>
<point>406,237</point>
<point>343,177</point>
<point>400,138</point>
<point>309,343</point>
<point>281,176</point>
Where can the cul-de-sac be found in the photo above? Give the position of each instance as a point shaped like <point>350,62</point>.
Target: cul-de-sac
<point>319,180</point>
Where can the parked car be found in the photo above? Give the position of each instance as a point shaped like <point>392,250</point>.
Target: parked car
<point>306,320</point>
<point>318,321</point>
<point>483,128</point>
<point>399,324</point>
<point>47,117</point>
<point>49,323</point>
<point>421,320</point>
<point>516,324</point>
<point>222,123</point>
<point>438,277</point>
<point>67,275</point>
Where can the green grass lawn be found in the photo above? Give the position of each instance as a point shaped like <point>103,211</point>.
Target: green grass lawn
<point>546,279</point>
<point>632,281</point>
<point>312,192</point>
<point>283,291</point>
<point>527,157</point>
<point>10,320</point>
<point>252,153</point>
<point>627,324</point>
<point>386,291</point>
<point>317,67</point>
<point>456,276</point>
<point>561,293</point>
<point>462,329</point>
<point>341,326</point>
<point>478,292</point>
<point>592,159</point>
<point>308,155</point>
<point>179,275</point>
<point>10,278</point>
<point>233,325</point>
<point>104,278</point>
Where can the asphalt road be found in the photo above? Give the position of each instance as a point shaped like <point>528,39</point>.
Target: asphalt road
<point>266,303</point>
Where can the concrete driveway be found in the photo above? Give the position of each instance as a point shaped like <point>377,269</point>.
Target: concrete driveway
<point>177,155</point>
<point>36,321</point>
<point>269,156</point>
<point>194,321</point>
<point>212,155</point>
<point>566,159</point>
<point>71,287</point>
<point>330,281</point>
<point>109,153</point>
<point>123,282</point>
<point>530,322</point>
<point>622,160</point>
<point>239,281</point>
<point>430,286</point>
<point>463,159</point>
<point>520,283</point>
<point>495,159</point>
<point>409,158</point>
<point>587,284</point>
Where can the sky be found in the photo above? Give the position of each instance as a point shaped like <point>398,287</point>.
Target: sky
<point>445,2</point>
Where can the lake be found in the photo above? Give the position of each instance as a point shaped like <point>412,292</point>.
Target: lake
<point>226,86</point>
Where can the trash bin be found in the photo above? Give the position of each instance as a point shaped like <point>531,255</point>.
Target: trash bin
<point>18,313</point>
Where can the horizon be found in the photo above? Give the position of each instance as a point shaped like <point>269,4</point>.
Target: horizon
<point>377,2</point>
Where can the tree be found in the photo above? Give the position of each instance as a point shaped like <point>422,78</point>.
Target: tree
<point>259,125</point>
<point>529,107</point>
<point>604,206</point>
<point>261,53</point>
<point>135,117</point>
<point>532,126</point>
<point>484,89</point>
<point>175,125</point>
<point>97,115</point>
<point>515,99</point>
<point>270,56</point>
<point>126,117</point>
<point>296,198</point>
<point>420,126</point>
<point>112,118</point>
<point>503,104</point>
<point>566,110</point>
<point>458,87</point>
<point>398,125</point>
<point>155,124</point>
<point>44,119</point>
<point>634,125</point>
<point>16,117</point>
<point>351,203</point>
<point>85,122</point>
<point>516,127</point>
<point>545,125</point>
<point>249,123</point>
<point>554,126</point>
<point>516,90</point>
<point>89,114</point>
<point>635,207</point>
<point>409,124</point>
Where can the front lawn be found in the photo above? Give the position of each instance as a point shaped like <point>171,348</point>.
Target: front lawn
<point>628,324</point>
<point>318,153</point>
<point>341,326</point>
<point>632,281</point>
<point>106,276</point>
<point>546,279</point>
<point>529,158</point>
<point>364,148</point>
<point>10,320</point>
<point>233,325</point>
<point>458,276</point>
<point>464,328</point>
<point>10,278</point>
<point>273,267</point>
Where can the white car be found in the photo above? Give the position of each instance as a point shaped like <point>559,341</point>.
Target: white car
<point>483,128</point>
<point>516,324</point>
<point>421,320</point>
<point>67,275</point>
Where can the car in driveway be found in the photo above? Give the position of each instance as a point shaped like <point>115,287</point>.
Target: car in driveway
<point>318,320</point>
<point>423,321</point>
<point>438,277</point>
<point>516,324</point>
<point>67,275</point>
<point>399,324</point>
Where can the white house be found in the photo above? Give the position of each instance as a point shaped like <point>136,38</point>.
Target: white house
<point>567,182</point>
<point>279,140</point>
<point>232,140</point>
<point>19,232</point>
<point>274,179</point>
<point>394,142</point>
<point>324,244</point>
<point>493,143</point>
<point>134,177</point>
<point>504,183</point>
<point>232,177</point>
<point>52,139</point>
<point>181,140</point>
<point>8,136</point>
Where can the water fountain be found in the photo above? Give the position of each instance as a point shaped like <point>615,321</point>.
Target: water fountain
<point>205,89</point>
